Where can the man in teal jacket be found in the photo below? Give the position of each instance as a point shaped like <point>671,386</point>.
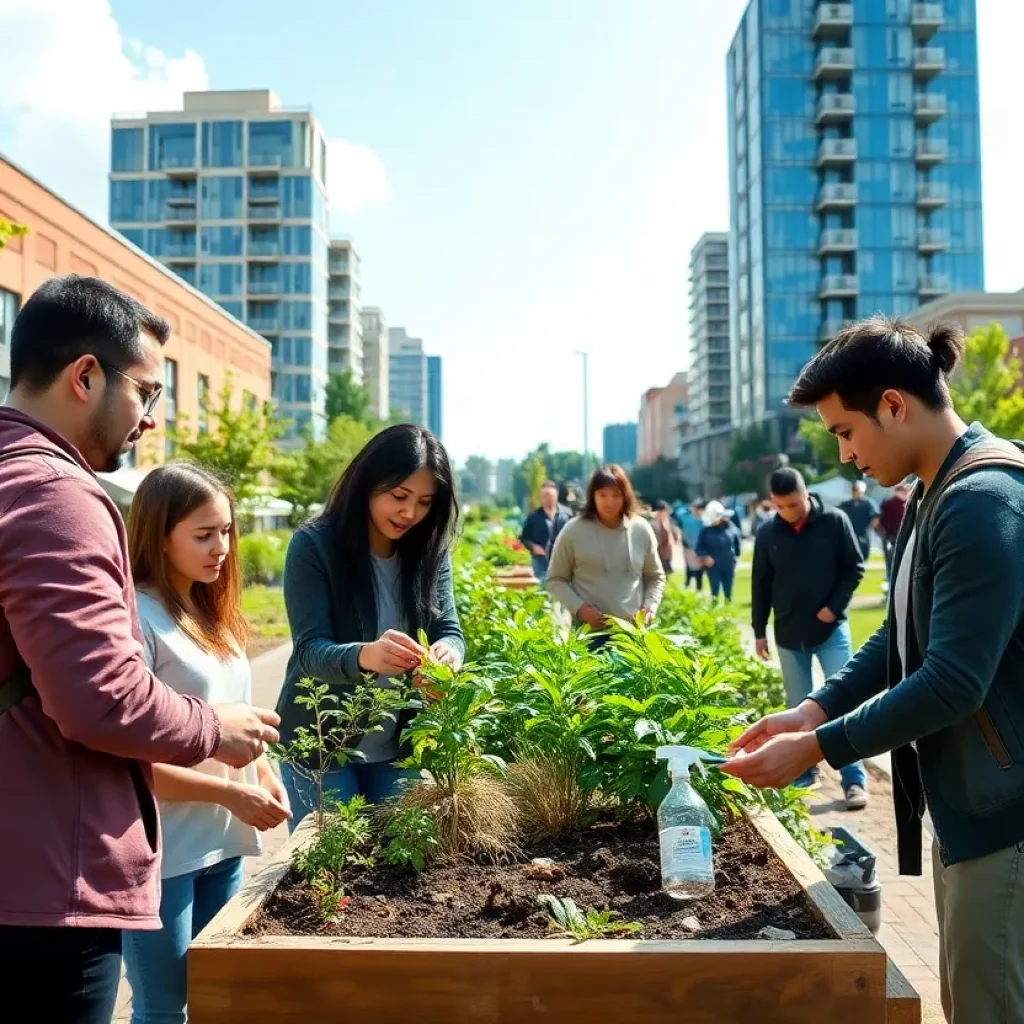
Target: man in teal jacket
<point>941,684</point>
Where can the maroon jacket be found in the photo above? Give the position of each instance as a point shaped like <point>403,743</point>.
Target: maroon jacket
<point>79,831</point>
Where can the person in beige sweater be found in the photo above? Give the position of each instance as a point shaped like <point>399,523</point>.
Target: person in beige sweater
<point>605,563</point>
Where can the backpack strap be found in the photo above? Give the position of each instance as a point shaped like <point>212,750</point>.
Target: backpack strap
<point>18,685</point>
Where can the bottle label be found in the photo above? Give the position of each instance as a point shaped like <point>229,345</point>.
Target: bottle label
<point>686,849</point>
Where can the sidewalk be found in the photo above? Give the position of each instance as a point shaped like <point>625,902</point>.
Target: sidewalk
<point>267,675</point>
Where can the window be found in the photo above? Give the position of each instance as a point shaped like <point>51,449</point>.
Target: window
<point>217,279</point>
<point>172,145</point>
<point>8,311</point>
<point>203,394</point>
<point>222,198</point>
<point>127,152</point>
<point>170,398</point>
<point>296,315</point>
<point>234,308</point>
<point>127,201</point>
<point>295,279</point>
<point>296,240</point>
<point>296,196</point>
<point>222,143</point>
<point>170,200</point>
<point>278,144</point>
<point>223,241</point>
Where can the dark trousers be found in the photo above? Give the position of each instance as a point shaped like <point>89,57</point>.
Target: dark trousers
<point>68,975</point>
<point>697,575</point>
<point>721,579</point>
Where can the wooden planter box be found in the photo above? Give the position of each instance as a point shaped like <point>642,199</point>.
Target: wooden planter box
<point>233,979</point>
<point>516,577</point>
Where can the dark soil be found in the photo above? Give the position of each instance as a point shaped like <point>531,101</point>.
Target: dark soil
<point>610,865</point>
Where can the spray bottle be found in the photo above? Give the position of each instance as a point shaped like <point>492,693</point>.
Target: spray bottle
<point>684,828</point>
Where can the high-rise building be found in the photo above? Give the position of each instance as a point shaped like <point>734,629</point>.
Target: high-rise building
<point>855,178</point>
<point>344,326</point>
<point>230,192</point>
<point>504,475</point>
<point>703,449</point>
<point>619,444</point>
<point>376,369</point>
<point>664,417</point>
<point>435,417</point>
<point>408,376</point>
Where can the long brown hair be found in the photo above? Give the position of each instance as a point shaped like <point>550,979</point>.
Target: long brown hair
<point>165,497</point>
<point>610,476</point>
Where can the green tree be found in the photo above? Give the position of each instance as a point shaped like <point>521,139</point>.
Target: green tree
<point>536,474</point>
<point>305,477</point>
<point>660,481</point>
<point>476,478</point>
<point>344,397</point>
<point>239,444</point>
<point>750,461</point>
<point>8,229</point>
<point>986,385</point>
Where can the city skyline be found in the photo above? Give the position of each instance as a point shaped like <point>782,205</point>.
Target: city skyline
<point>500,214</point>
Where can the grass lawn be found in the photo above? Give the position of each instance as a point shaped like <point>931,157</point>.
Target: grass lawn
<point>864,619</point>
<point>263,608</point>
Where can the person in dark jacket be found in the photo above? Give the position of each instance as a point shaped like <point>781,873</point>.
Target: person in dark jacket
<point>718,547</point>
<point>542,527</point>
<point>807,565</point>
<point>863,514</point>
<point>359,583</point>
<point>939,684</point>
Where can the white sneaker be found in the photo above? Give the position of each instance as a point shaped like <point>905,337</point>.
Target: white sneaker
<point>856,798</point>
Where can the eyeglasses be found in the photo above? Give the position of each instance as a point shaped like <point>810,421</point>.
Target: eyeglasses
<point>149,393</point>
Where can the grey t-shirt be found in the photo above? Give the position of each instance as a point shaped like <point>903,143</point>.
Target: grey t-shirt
<point>383,746</point>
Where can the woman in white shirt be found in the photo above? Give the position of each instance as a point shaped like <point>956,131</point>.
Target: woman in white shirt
<point>182,539</point>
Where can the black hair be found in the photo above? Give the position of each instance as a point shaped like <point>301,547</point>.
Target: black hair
<point>386,461</point>
<point>662,506</point>
<point>879,354</point>
<point>700,503</point>
<point>549,484</point>
<point>70,317</point>
<point>786,481</point>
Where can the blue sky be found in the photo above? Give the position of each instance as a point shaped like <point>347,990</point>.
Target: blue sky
<point>522,179</point>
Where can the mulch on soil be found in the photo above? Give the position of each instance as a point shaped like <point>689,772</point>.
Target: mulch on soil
<point>610,865</point>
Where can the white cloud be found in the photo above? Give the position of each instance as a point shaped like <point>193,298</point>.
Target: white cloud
<point>67,68</point>
<point>356,177</point>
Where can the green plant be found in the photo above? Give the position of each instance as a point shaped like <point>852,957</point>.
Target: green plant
<point>568,921</point>
<point>262,558</point>
<point>337,722</point>
<point>342,836</point>
<point>410,835</point>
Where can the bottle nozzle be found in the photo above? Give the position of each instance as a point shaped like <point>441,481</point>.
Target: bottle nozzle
<point>681,759</point>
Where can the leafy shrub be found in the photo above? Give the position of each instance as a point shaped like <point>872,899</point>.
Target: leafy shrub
<point>410,835</point>
<point>262,557</point>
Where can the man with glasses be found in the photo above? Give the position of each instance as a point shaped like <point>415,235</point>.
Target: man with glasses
<point>81,717</point>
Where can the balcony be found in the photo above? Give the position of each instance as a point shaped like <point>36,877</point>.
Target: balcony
<point>179,165</point>
<point>837,196</point>
<point>929,61</point>
<point>929,106</point>
<point>834,63</point>
<point>263,212</point>
<point>832,21</point>
<point>337,316</point>
<point>264,250</point>
<point>181,199</point>
<point>931,195</point>
<point>836,107</point>
<point>264,324</point>
<point>262,193</point>
<point>931,151</point>
<point>837,152</point>
<point>931,240</point>
<point>180,213</point>
<point>925,21</point>
<point>339,291</point>
<point>257,289</point>
<point>932,285</point>
<point>837,240</point>
<point>265,161</point>
<point>838,286</point>
<point>830,328</point>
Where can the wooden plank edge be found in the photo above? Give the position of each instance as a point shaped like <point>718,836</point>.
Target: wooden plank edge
<point>235,915</point>
<point>902,1002</point>
<point>839,915</point>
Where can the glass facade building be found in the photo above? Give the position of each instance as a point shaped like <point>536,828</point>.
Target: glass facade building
<point>435,417</point>
<point>407,377</point>
<point>344,331</point>
<point>855,178</point>
<point>230,193</point>
<point>619,444</point>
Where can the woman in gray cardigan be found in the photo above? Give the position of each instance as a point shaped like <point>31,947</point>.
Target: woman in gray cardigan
<point>605,563</point>
<point>360,581</point>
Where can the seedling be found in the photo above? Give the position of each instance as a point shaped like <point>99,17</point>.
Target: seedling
<point>569,922</point>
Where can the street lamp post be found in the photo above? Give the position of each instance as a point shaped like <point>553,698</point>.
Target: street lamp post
<point>586,423</point>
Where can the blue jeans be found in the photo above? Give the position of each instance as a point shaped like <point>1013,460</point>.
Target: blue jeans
<point>540,566</point>
<point>721,578</point>
<point>377,782</point>
<point>798,678</point>
<point>155,961</point>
